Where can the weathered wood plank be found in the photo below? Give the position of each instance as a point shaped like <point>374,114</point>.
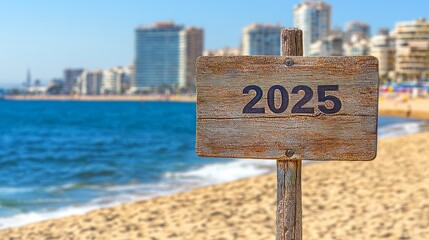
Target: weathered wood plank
<point>220,91</point>
<point>310,138</point>
<point>223,130</point>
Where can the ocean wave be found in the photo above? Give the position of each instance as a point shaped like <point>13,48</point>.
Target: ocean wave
<point>71,186</point>
<point>224,172</point>
<point>30,217</point>
<point>141,192</point>
<point>395,130</point>
<point>172,182</point>
<point>13,190</point>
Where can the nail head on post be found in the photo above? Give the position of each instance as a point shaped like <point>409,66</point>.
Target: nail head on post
<point>290,153</point>
<point>289,62</point>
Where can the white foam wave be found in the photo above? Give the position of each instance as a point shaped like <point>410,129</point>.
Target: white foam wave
<point>399,129</point>
<point>172,182</point>
<point>31,217</point>
<point>224,172</point>
<point>139,194</point>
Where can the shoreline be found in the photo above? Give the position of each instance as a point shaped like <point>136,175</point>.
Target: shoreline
<point>106,98</point>
<point>382,199</point>
<point>397,105</point>
<point>239,168</point>
<point>409,108</point>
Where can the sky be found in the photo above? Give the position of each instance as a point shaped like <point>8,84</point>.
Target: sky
<point>47,36</point>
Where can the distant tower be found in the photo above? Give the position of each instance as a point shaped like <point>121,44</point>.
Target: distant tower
<point>191,47</point>
<point>314,19</point>
<point>70,79</point>
<point>157,55</point>
<point>383,48</point>
<point>261,39</point>
<point>361,29</point>
<point>412,49</point>
<point>28,82</point>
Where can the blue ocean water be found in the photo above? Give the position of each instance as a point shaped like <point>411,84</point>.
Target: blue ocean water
<point>64,157</point>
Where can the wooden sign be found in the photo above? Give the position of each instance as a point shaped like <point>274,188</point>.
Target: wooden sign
<point>269,107</point>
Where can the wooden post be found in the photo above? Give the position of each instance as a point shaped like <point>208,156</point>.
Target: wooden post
<point>229,124</point>
<point>289,206</point>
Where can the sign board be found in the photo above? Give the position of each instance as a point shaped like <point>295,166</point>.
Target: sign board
<point>275,107</point>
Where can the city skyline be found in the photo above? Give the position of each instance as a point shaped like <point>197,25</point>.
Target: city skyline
<point>50,36</point>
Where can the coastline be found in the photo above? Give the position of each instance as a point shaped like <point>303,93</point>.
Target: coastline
<point>382,199</point>
<point>123,98</point>
<point>172,182</point>
<point>390,108</point>
<point>397,105</point>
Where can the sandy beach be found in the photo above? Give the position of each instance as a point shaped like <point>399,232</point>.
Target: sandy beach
<point>383,199</point>
<point>387,198</point>
<point>403,106</point>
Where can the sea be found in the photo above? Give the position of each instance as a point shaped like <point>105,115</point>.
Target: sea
<point>61,158</point>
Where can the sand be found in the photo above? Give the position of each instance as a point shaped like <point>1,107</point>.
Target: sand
<point>400,105</point>
<point>387,198</point>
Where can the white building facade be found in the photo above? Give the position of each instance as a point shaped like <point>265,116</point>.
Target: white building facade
<point>412,49</point>
<point>89,82</point>
<point>116,80</point>
<point>314,19</point>
<point>191,47</point>
<point>261,39</point>
<point>383,48</point>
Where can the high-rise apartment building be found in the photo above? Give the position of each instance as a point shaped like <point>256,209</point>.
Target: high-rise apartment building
<point>191,47</point>
<point>412,49</point>
<point>109,81</point>
<point>383,48</point>
<point>329,46</point>
<point>314,19</point>
<point>261,39</point>
<point>357,46</point>
<point>89,82</point>
<point>357,28</point>
<point>157,58</point>
<point>70,79</point>
<point>116,80</point>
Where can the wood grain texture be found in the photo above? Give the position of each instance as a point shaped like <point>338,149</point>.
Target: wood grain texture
<point>289,206</point>
<point>224,131</point>
<point>289,199</point>
<point>291,42</point>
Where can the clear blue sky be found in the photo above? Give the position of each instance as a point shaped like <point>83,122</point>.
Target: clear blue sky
<point>50,35</point>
